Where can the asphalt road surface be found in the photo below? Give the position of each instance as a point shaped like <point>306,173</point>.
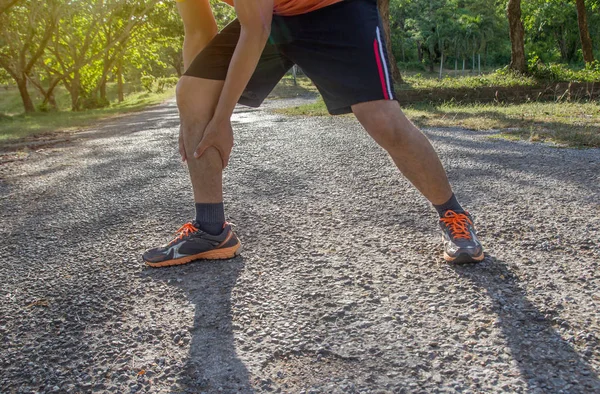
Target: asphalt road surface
<point>341,286</point>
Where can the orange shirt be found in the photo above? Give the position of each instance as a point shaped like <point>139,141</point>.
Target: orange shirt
<point>295,7</point>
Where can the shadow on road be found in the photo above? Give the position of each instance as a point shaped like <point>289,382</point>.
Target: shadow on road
<point>213,364</point>
<point>542,355</point>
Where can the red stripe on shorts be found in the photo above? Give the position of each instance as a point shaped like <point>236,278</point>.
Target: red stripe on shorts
<point>380,67</point>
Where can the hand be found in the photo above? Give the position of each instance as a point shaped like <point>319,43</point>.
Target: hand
<point>219,135</point>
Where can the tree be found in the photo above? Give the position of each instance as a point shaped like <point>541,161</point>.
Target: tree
<point>584,33</point>
<point>5,5</point>
<point>384,11</point>
<point>84,50</point>
<point>517,36</point>
<point>126,24</point>
<point>27,27</point>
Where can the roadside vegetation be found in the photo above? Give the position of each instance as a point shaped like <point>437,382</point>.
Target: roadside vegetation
<point>569,123</point>
<point>16,125</point>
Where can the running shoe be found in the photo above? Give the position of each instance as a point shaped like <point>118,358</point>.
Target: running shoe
<point>192,244</point>
<point>460,239</point>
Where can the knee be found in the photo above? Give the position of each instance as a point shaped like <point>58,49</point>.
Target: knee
<point>192,113</point>
<point>386,129</point>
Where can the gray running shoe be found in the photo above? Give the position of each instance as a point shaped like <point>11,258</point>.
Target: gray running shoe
<point>194,244</point>
<point>460,239</point>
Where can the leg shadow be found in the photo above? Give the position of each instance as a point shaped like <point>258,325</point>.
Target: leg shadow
<point>547,362</point>
<point>213,364</point>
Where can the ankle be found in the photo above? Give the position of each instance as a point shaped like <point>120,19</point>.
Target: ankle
<point>451,205</point>
<point>210,217</point>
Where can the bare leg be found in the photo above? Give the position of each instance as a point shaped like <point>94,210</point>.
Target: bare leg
<point>197,99</point>
<point>409,148</point>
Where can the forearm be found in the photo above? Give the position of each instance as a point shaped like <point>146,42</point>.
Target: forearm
<point>243,63</point>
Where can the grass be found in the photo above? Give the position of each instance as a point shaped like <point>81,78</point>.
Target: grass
<point>494,79</point>
<point>15,125</point>
<point>566,123</point>
<point>286,88</point>
<point>569,123</point>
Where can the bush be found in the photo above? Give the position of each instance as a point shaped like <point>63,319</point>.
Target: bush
<point>46,107</point>
<point>94,103</point>
<point>411,66</point>
<point>147,82</point>
<point>554,72</point>
<point>166,82</point>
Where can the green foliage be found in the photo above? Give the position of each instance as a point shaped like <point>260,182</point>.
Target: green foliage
<point>167,82</point>
<point>411,66</point>
<point>94,102</point>
<point>91,43</point>
<point>552,32</point>
<point>499,78</point>
<point>554,72</point>
<point>423,30</point>
<point>147,82</point>
<point>5,78</point>
<point>45,107</point>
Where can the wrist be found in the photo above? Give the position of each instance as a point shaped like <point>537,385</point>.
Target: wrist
<point>221,116</point>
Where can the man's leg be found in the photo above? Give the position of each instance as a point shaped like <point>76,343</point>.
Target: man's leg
<point>417,160</point>
<point>197,99</point>
<point>408,147</point>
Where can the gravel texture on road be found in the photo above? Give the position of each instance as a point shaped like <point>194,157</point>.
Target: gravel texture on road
<point>341,286</point>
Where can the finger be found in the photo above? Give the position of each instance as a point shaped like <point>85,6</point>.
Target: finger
<point>182,149</point>
<point>202,146</point>
<point>224,158</point>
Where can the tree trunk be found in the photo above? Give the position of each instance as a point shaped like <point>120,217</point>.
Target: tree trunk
<point>517,36</point>
<point>384,12</point>
<point>75,90</point>
<point>584,33</point>
<point>47,93</point>
<point>120,81</point>
<point>103,89</point>
<point>25,97</point>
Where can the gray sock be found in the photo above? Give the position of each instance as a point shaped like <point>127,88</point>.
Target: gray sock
<point>210,217</point>
<point>450,205</point>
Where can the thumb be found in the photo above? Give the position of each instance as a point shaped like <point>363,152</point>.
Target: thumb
<point>224,158</point>
<point>182,149</point>
<point>202,146</point>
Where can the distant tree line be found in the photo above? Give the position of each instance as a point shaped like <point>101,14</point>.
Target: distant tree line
<point>473,33</point>
<point>85,44</point>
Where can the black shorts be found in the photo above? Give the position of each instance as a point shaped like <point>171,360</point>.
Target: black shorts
<point>341,48</point>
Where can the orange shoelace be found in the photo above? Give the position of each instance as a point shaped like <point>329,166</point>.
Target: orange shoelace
<point>458,223</point>
<point>185,230</point>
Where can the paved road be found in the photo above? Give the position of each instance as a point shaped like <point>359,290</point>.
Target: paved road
<point>340,288</point>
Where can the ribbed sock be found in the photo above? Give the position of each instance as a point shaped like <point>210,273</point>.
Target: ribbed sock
<point>210,217</point>
<point>451,205</point>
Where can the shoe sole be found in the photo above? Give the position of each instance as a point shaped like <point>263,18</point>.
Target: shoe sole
<point>215,254</point>
<point>463,258</point>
